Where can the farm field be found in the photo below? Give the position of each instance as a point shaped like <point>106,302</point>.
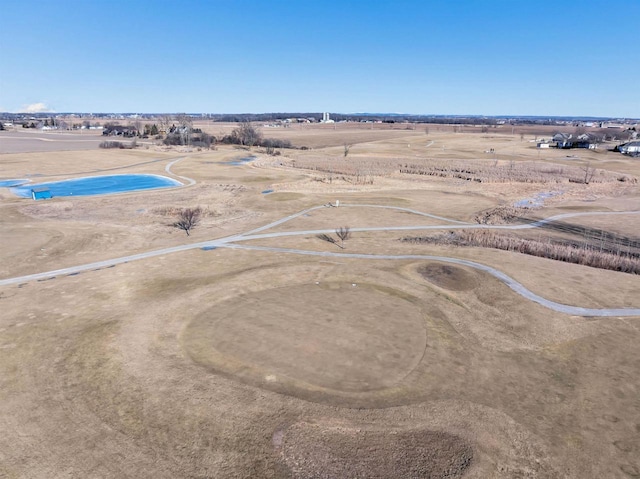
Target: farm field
<point>254,348</point>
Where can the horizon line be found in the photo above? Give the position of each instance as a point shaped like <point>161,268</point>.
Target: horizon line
<point>390,114</point>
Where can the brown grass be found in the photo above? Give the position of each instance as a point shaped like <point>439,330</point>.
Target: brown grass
<point>172,211</point>
<point>362,170</point>
<point>99,378</point>
<point>508,172</point>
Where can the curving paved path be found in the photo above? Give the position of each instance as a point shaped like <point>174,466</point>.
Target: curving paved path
<point>231,242</point>
<point>508,280</point>
<point>167,168</point>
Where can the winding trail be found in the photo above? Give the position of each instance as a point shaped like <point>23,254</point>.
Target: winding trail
<point>231,242</point>
<point>508,280</point>
<point>167,168</point>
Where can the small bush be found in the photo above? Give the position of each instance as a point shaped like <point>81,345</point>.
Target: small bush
<point>275,143</point>
<point>112,144</point>
<point>172,139</point>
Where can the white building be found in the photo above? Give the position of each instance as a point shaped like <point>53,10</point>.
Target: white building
<point>631,147</point>
<point>325,118</point>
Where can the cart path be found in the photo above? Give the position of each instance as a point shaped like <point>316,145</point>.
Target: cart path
<point>167,168</point>
<point>508,280</point>
<point>231,242</point>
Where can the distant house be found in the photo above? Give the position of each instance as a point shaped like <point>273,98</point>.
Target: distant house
<point>41,194</point>
<point>118,130</point>
<point>586,140</point>
<point>562,140</point>
<point>611,124</point>
<point>631,148</point>
<point>567,140</point>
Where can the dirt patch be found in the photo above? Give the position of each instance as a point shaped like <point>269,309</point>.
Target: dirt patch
<point>317,451</point>
<point>448,277</point>
<point>501,215</point>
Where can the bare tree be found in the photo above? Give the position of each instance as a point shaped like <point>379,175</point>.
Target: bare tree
<point>164,121</point>
<point>344,233</point>
<point>138,126</point>
<point>588,173</point>
<point>187,219</point>
<point>185,123</point>
<point>246,134</point>
<point>328,239</point>
<point>330,175</point>
<point>347,148</point>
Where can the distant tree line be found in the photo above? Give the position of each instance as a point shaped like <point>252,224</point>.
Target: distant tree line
<point>179,131</point>
<point>22,118</point>
<point>246,134</point>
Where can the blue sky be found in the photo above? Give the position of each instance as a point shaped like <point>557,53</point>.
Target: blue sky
<point>484,57</point>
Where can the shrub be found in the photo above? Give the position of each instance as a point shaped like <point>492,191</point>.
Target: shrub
<point>172,139</point>
<point>112,144</point>
<point>275,143</point>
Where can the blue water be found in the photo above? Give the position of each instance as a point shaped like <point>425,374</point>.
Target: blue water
<point>537,200</point>
<point>208,248</point>
<point>99,185</point>
<point>9,183</point>
<point>239,161</point>
<point>266,192</point>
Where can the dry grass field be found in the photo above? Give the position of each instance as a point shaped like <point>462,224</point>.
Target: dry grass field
<point>246,360</point>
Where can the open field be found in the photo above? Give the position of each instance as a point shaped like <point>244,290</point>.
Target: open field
<point>28,141</point>
<point>254,349</point>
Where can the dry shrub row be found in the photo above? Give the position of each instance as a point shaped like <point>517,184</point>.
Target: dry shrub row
<point>175,211</point>
<point>583,254</point>
<point>519,172</point>
<point>468,170</point>
<point>359,170</point>
<point>110,144</point>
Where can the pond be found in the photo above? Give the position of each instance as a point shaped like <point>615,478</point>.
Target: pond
<point>98,185</point>
<point>10,183</point>
<point>239,161</point>
<point>537,200</point>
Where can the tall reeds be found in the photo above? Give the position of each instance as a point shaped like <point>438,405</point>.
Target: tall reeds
<point>585,254</point>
